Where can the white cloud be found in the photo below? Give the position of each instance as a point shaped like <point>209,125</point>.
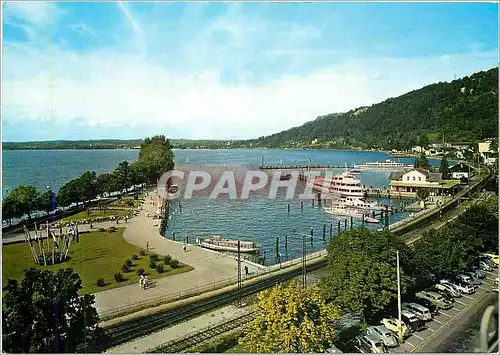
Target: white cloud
<point>119,89</point>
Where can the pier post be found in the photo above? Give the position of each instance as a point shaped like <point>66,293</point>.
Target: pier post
<point>386,216</point>
<point>286,243</point>
<point>392,211</point>
<point>301,205</point>
<point>351,222</point>
<point>373,214</point>
<point>180,206</point>
<point>187,239</point>
<point>331,230</point>
<point>312,202</point>
<point>288,208</point>
<point>277,247</point>
<point>338,225</point>
<point>345,224</point>
<point>312,234</point>
<point>173,236</point>
<point>363,220</point>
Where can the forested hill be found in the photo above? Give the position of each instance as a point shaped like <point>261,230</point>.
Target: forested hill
<point>465,109</point>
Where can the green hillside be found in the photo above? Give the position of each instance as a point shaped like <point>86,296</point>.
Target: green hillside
<point>465,109</point>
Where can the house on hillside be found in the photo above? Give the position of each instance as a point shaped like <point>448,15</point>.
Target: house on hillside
<point>461,172</point>
<point>489,157</point>
<point>410,181</point>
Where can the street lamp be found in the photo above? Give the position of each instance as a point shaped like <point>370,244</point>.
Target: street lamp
<point>400,330</point>
<point>304,271</point>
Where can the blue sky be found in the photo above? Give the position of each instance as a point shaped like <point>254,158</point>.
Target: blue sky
<point>224,70</point>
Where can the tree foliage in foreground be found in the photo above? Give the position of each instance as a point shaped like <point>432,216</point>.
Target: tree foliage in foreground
<point>361,272</point>
<point>44,313</point>
<point>291,320</point>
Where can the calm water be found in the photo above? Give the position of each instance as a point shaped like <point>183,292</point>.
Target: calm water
<point>257,218</point>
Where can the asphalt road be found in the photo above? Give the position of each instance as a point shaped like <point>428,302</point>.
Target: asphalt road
<point>447,321</point>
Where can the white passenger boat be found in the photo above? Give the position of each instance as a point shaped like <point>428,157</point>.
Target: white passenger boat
<point>222,244</point>
<point>388,164</point>
<point>344,184</point>
<point>342,210</point>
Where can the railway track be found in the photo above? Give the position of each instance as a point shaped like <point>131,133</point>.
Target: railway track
<point>139,327</point>
<point>187,342</point>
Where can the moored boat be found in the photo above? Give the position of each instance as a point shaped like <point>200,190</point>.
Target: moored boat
<point>371,220</point>
<point>223,244</point>
<point>388,164</point>
<point>341,210</point>
<point>343,184</point>
<point>359,203</point>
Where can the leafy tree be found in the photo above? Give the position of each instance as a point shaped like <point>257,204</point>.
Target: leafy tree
<point>291,320</point>
<point>45,314</point>
<point>468,155</point>
<point>122,175</point>
<point>423,141</point>
<point>494,146</point>
<point>156,157</point>
<point>422,162</point>
<point>422,193</point>
<point>22,200</point>
<point>87,186</point>
<point>69,193</point>
<point>9,208</point>
<point>361,271</point>
<point>479,224</point>
<point>444,168</point>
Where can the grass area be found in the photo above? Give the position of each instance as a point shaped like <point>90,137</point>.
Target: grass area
<point>96,213</point>
<point>126,202</point>
<point>96,255</point>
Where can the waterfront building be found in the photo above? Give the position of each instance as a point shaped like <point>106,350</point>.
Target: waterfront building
<point>414,179</point>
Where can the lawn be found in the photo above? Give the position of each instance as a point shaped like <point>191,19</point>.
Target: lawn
<point>126,202</point>
<point>96,255</point>
<point>96,213</point>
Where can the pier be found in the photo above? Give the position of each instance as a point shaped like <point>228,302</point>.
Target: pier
<point>304,167</point>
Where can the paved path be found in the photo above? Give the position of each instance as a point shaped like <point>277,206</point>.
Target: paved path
<point>210,267</point>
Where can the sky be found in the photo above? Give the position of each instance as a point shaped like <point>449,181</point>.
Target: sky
<point>204,70</point>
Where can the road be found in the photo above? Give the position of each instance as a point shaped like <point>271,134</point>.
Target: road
<point>447,321</point>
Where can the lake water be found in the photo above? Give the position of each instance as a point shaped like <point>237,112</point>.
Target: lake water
<point>258,219</point>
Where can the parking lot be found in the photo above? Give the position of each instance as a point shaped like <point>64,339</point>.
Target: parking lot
<point>446,317</point>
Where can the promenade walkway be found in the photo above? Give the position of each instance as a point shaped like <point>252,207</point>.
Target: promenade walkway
<point>210,267</point>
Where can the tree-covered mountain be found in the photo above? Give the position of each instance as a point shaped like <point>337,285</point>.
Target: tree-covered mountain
<point>465,109</point>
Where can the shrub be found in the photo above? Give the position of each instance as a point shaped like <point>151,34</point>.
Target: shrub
<point>101,229</point>
<point>142,253</point>
<point>152,264</point>
<point>174,263</point>
<point>153,258</point>
<point>125,268</point>
<point>128,262</point>
<point>135,257</point>
<point>119,277</point>
<point>100,282</point>
<point>160,268</point>
<point>111,229</point>
<point>167,260</point>
<point>141,271</point>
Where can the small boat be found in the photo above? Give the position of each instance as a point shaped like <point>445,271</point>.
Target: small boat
<point>359,203</point>
<point>285,177</point>
<point>341,210</point>
<point>222,244</point>
<point>355,172</point>
<point>388,164</point>
<point>371,220</point>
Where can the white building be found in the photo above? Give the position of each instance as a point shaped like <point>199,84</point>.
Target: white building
<point>411,181</point>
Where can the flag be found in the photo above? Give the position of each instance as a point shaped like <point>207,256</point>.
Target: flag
<point>55,240</point>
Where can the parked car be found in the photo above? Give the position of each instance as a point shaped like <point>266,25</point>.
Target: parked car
<point>488,262</point>
<point>392,325</point>
<point>412,321</point>
<point>492,257</point>
<point>443,292</point>
<point>464,278</point>
<point>450,288</point>
<point>368,344</point>
<point>387,337</point>
<point>333,350</point>
<point>435,299</point>
<point>418,310</point>
<point>485,266</point>
<point>494,288</point>
<point>464,287</point>
<point>474,278</point>
<point>479,273</point>
<point>429,305</point>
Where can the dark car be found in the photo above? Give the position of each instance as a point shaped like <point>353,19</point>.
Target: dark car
<point>429,305</point>
<point>412,321</point>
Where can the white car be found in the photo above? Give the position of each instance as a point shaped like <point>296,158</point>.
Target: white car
<point>392,325</point>
<point>385,335</point>
<point>445,285</point>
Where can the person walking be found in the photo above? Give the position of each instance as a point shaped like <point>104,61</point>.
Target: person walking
<point>147,245</point>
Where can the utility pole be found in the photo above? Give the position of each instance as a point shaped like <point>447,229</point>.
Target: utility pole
<point>239,275</point>
<point>400,331</point>
<point>304,277</point>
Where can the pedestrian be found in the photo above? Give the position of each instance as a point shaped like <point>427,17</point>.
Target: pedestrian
<point>246,270</point>
<point>117,221</point>
<point>184,247</point>
<point>141,281</point>
<point>90,225</point>
<point>147,245</point>
<point>145,282</point>
<point>125,219</point>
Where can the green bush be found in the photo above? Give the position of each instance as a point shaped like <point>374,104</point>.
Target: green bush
<point>153,257</point>
<point>217,345</point>
<point>101,229</point>
<point>167,259</point>
<point>142,253</point>
<point>160,268</point>
<point>126,268</point>
<point>128,262</point>
<point>119,277</point>
<point>100,282</point>
<point>135,257</point>
<point>141,271</point>
<point>174,263</point>
<point>152,265</point>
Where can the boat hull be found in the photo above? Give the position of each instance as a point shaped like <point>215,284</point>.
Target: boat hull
<point>227,248</point>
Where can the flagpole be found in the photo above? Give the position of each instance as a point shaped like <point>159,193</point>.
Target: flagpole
<point>40,246</point>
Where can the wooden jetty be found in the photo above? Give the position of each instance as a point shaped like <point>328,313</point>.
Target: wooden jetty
<point>303,167</point>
